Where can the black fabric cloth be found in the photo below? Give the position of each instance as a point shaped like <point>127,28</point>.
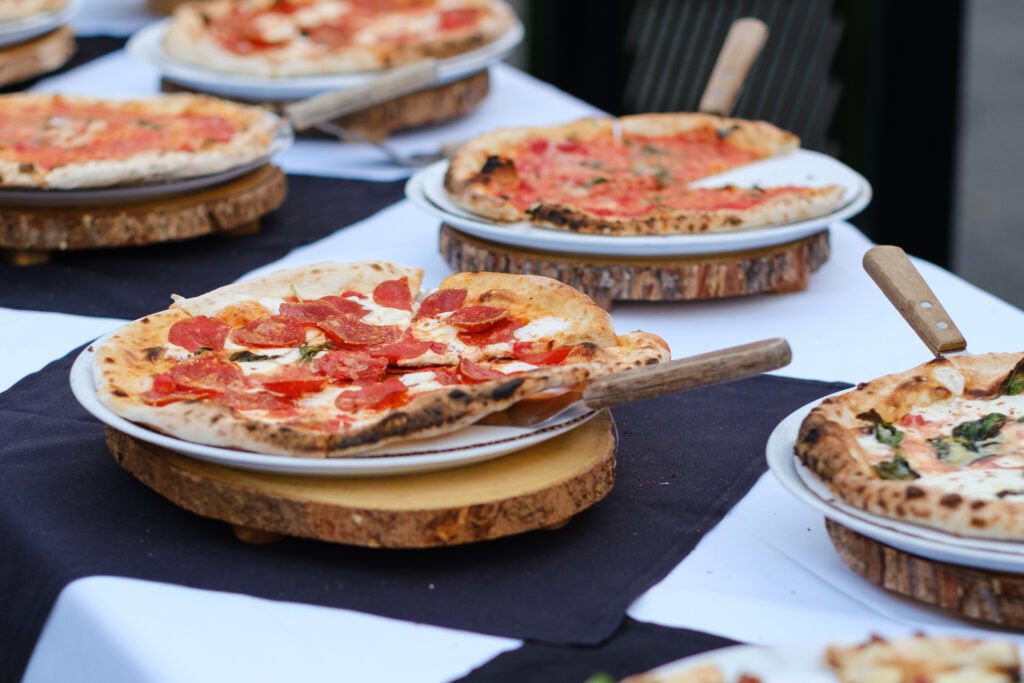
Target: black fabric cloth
<point>635,647</point>
<point>67,511</point>
<point>131,282</point>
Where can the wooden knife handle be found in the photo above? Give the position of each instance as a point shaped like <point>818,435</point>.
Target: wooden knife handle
<point>687,373</point>
<point>899,280</point>
<point>739,52</point>
<point>330,105</point>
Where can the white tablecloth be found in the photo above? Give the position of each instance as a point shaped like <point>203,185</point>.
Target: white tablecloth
<point>765,574</point>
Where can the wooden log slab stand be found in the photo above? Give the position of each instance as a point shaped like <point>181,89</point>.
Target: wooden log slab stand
<point>983,595</point>
<point>421,108</point>
<point>540,487</point>
<point>775,269</point>
<point>28,234</point>
<point>36,57</point>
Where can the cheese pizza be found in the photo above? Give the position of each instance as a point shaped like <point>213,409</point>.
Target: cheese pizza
<point>335,359</point>
<point>630,176</point>
<point>67,142</point>
<point>940,445</point>
<point>282,38</point>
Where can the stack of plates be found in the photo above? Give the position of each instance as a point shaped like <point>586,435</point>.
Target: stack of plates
<point>1005,556</point>
<point>147,46</point>
<point>475,443</point>
<point>803,167</point>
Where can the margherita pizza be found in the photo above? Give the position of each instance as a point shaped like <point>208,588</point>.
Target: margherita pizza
<point>66,142</point>
<point>630,176</point>
<point>336,359</point>
<point>941,445</point>
<point>281,38</point>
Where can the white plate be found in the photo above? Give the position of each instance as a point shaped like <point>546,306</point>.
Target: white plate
<point>137,192</point>
<point>1005,556</point>
<point>803,167</point>
<point>791,663</point>
<point>21,30</point>
<point>471,444</point>
<point>147,46</point>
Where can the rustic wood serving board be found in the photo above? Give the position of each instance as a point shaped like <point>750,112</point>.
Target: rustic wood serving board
<point>37,56</point>
<point>540,487</point>
<point>775,269</point>
<point>29,233</point>
<point>421,108</point>
<point>990,596</point>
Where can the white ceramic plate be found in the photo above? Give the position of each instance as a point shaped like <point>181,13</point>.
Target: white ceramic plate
<point>1005,556</point>
<point>471,444</point>
<point>803,167</point>
<point>147,46</point>
<point>21,30</point>
<point>138,192</point>
<point>791,663</point>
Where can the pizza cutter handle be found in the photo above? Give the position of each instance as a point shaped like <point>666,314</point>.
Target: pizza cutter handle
<point>899,280</point>
<point>706,369</point>
<point>739,52</point>
<point>392,83</point>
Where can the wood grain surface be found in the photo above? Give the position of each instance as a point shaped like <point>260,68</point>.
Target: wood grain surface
<point>990,596</point>
<point>776,269</point>
<point>36,57</point>
<point>540,487</point>
<point>28,234</point>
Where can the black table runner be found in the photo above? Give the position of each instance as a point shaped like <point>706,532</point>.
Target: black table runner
<point>68,511</point>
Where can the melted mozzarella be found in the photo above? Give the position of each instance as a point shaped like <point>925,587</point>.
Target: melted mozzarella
<point>541,328</point>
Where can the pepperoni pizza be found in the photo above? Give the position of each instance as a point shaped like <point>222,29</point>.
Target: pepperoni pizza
<point>66,142</point>
<point>282,38</point>
<point>336,359</point>
<point>630,176</point>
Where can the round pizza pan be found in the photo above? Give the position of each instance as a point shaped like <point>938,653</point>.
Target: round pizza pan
<point>1005,556</point>
<point>147,46</point>
<point>426,190</point>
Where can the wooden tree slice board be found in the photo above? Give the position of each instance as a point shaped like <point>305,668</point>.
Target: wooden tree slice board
<point>164,6</point>
<point>990,596</point>
<point>775,269</point>
<point>540,487</point>
<point>421,108</point>
<point>37,56</point>
<point>28,234</point>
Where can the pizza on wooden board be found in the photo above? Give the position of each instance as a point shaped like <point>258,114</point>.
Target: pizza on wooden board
<point>630,176</point>
<point>11,10</point>
<point>333,360</point>
<point>68,142</point>
<point>940,445</point>
<point>282,38</point>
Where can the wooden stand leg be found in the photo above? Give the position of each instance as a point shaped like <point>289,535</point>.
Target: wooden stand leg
<point>244,230</point>
<point>255,536</point>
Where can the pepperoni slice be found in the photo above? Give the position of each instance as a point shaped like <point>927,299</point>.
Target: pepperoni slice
<point>477,318</point>
<point>271,330</point>
<point>201,331</point>
<point>353,294</point>
<point>208,372</point>
<point>239,314</point>
<point>474,373</point>
<point>346,305</point>
<point>525,351</point>
<point>292,380</point>
<point>371,394</point>
<point>500,332</point>
<point>258,400</point>
<point>403,349</point>
<point>441,301</point>
<point>165,390</point>
<point>452,19</point>
<point>443,374</point>
<point>394,294</point>
<point>346,364</point>
<point>316,310</point>
<point>347,331</point>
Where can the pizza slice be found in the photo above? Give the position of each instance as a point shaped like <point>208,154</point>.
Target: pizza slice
<point>630,176</point>
<point>331,359</point>
<point>925,659</point>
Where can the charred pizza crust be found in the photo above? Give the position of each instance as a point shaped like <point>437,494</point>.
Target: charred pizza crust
<point>829,445</point>
<point>291,51</point>
<point>127,361</point>
<point>483,173</point>
<point>253,131</point>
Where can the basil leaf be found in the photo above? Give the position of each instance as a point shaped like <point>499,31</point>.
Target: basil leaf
<point>897,468</point>
<point>307,352</point>
<point>979,430</point>
<point>1014,382</point>
<point>201,350</point>
<point>594,181</point>
<point>887,434</point>
<point>247,357</point>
